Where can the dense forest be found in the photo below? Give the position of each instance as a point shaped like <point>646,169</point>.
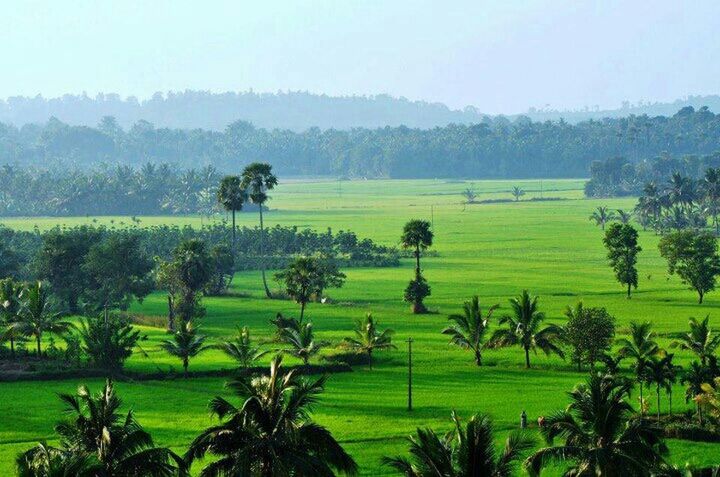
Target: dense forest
<point>494,148</point>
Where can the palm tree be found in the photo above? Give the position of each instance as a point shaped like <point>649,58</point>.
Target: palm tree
<point>37,317</point>
<point>524,329</point>
<point>694,377</point>
<point>601,435</point>
<point>469,328</point>
<point>699,339</point>
<point>11,297</point>
<point>242,349</point>
<point>186,343</point>
<point>641,347</point>
<point>623,217</point>
<point>517,192</point>
<point>417,235</point>
<point>602,215</point>
<point>464,452</point>
<point>45,461</point>
<point>368,338</point>
<point>257,179</point>
<point>660,371</point>
<point>232,197</point>
<point>302,342</point>
<point>711,192</point>
<point>270,432</point>
<point>100,438</point>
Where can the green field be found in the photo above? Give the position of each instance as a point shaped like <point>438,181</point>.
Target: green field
<point>492,250</point>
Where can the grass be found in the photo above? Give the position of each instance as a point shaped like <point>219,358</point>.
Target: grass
<point>492,250</point>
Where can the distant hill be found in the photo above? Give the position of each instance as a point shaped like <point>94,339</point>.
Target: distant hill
<point>295,111</point>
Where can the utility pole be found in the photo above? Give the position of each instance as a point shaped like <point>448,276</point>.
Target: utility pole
<point>432,217</point>
<point>410,342</point>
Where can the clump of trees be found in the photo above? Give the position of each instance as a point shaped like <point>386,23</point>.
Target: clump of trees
<point>306,278</point>
<point>589,331</point>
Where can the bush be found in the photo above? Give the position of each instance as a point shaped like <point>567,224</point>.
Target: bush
<point>108,342</point>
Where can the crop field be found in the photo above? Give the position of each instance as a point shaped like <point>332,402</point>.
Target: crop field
<point>493,249</point>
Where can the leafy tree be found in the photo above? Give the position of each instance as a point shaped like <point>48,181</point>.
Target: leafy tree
<point>186,343</point>
<point>601,216</point>
<point>621,241</point>
<point>301,342</point>
<point>11,307</point>
<point>700,340</point>
<point>415,293</point>
<point>590,332</point>
<point>257,179</point>
<point>524,329</point>
<point>241,349</point>
<point>108,341</point>
<point>232,197</point>
<point>694,377</point>
<point>98,440</point>
<point>118,272</point>
<point>368,338</point>
<point>307,277</point>
<point>190,271</point>
<point>9,262</point>
<point>467,450</point>
<point>469,328</point>
<point>418,236</point>
<point>270,432</point>
<point>641,347</point>
<point>601,435</point>
<point>693,256</point>
<point>517,192</point>
<point>38,316</point>
<point>223,270</point>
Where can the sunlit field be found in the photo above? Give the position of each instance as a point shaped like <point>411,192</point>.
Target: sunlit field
<point>493,250</point>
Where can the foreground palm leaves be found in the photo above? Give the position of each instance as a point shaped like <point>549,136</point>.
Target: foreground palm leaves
<point>99,441</point>
<point>270,434</point>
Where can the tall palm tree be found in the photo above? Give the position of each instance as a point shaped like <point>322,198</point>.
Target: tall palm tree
<point>601,216</point>
<point>601,435</point>
<point>241,349</point>
<point>270,432</point>
<point>469,328</point>
<point>661,372</point>
<point>232,197</point>
<point>711,192</point>
<point>694,377</point>
<point>369,338</point>
<point>641,347</point>
<point>301,342</point>
<point>466,451</point>
<point>700,339</point>
<point>38,317</point>
<point>186,343</point>
<point>524,329</point>
<point>418,236</point>
<point>257,179</point>
<point>11,303</point>
<point>98,436</point>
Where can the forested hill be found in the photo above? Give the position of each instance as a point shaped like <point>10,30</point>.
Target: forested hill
<point>493,148</point>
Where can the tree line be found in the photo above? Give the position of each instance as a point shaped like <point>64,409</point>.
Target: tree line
<point>492,148</point>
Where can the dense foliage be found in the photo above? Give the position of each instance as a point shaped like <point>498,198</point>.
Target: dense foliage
<point>493,148</point>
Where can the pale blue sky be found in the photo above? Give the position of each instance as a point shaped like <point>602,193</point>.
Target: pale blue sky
<point>501,56</point>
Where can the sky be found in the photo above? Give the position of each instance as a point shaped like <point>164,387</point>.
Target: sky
<point>499,56</point>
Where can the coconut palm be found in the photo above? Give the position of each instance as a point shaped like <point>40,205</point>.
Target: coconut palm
<point>524,329</point>
<point>99,437</point>
<point>601,435</point>
<point>623,217</point>
<point>602,215</point>
<point>700,339</point>
<point>38,317</point>
<point>232,197</point>
<point>469,328</point>
<point>301,342</point>
<point>694,377</point>
<point>641,347</point>
<point>467,451</point>
<point>46,461</point>
<point>270,432</point>
<point>418,236</point>
<point>660,371</point>
<point>186,343</point>
<point>517,192</point>
<point>711,192</point>
<point>11,296</point>
<point>257,179</point>
<point>369,338</point>
<point>241,349</point>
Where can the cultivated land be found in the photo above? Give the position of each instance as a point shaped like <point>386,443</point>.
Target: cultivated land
<point>492,250</point>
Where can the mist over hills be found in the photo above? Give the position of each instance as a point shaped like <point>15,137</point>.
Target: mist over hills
<point>295,111</point>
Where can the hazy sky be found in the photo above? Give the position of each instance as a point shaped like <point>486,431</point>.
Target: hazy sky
<point>501,56</point>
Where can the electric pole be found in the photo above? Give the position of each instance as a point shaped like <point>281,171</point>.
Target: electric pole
<point>410,342</point>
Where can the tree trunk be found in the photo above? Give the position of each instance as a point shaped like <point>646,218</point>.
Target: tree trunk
<point>657,391</point>
<point>302,311</point>
<point>670,401</point>
<point>642,411</point>
<point>186,363</point>
<point>39,350</point>
<point>527,358</point>
<point>417,262</point>
<point>262,254</point>
<point>171,314</point>
<point>12,347</point>
<point>628,290</point>
<point>233,232</point>
<point>370,358</point>
<point>700,295</point>
<point>478,357</point>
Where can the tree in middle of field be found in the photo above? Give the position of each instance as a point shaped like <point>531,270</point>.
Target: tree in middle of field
<point>621,241</point>
<point>368,338</point>
<point>524,329</point>
<point>469,328</point>
<point>694,257</point>
<point>308,277</point>
<point>418,236</point>
<point>589,332</point>
<point>186,343</point>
